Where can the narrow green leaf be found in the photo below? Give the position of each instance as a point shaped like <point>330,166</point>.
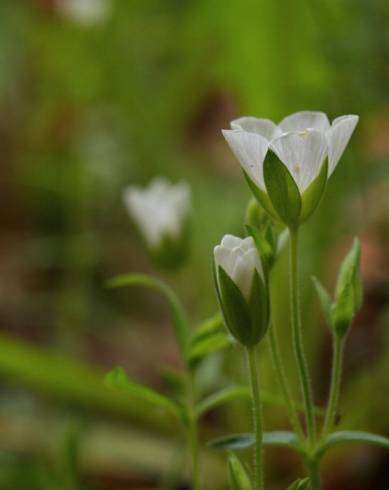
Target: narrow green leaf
<point>312,196</point>
<point>245,440</point>
<point>177,312</point>
<point>299,485</point>
<point>325,299</point>
<point>118,380</point>
<point>208,345</point>
<point>352,437</point>
<point>225,395</point>
<point>237,475</point>
<point>209,337</point>
<point>282,190</point>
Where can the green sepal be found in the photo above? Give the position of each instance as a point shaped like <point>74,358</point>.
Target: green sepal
<point>348,294</point>
<point>234,307</point>
<point>299,485</point>
<point>311,197</point>
<point>264,241</point>
<point>172,251</point>
<point>282,190</point>
<point>262,197</point>
<point>246,321</point>
<point>237,475</point>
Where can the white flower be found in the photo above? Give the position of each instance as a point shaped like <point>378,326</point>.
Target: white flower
<point>159,210</point>
<point>85,11</point>
<point>239,258</point>
<point>301,141</point>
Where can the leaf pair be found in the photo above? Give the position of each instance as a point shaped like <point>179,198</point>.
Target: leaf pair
<point>290,440</point>
<point>340,312</point>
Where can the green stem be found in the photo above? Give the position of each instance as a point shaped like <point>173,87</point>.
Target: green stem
<point>298,343</point>
<point>193,437</point>
<point>257,419</point>
<point>336,377</point>
<point>283,382</point>
<point>314,474</point>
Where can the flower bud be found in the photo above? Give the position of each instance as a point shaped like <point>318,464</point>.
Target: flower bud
<point>161,213</point>
<point>268,237</point>
<point>241,289</point>
<point>341,311</point>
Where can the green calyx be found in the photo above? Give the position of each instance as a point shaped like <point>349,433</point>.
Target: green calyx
<point>246,320</point>
<point>282,198</point>
<point>341,311</point>
<point>172,251</point>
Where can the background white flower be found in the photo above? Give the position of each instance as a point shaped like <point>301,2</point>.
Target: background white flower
<point>159,210</point>
<point>301,141</point>
<point>239,258</point>
<point>85,11</point>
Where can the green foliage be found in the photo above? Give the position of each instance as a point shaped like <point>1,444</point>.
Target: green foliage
<point>351,437</point>
<point>177,312</point>
<point>299,485</point>
<point>207,338</point>
<point>237,475</point>
<point>118,380</point>
<point>243,441</point>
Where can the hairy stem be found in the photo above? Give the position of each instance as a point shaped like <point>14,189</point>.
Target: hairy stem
<point>257,419</point>
<point>283,382</point>
<point>314,474</point>
<point>298,343</point>
<point>336,377</point>
<point>193,437</point>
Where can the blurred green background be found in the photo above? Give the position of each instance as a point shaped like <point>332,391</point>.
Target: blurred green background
<point>99,94</point>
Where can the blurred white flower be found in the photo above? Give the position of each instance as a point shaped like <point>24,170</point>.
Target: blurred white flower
<point>239,258</point>
<point>85,11</point>
<point>301,141</point>
<point>159,210</point>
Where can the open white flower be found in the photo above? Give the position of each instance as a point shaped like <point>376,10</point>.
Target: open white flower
<point>159,210</point>
<point>242,289</point>
<point>301,141</point>
<point>239,258</point>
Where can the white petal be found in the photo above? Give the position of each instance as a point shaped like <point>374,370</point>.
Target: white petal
<point>265,127</point>
<point>250,149</point>
<point>303,152</point>
<point>247,244</point>
<point>337,137</point>
<point>304,120</point>
<point>231,241</point>
<point>243,275</point>
<point>252,258</point>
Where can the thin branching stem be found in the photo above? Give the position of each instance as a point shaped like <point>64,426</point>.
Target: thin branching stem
<point>298,343</point>
<point>257,419</point>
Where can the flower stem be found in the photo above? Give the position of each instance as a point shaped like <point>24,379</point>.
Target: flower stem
<point>193,437</point>
<point>298,343</point>
<point>314,474</point>
<point>257,419</point>
<point>283,382</point>
<point>336,377</point>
